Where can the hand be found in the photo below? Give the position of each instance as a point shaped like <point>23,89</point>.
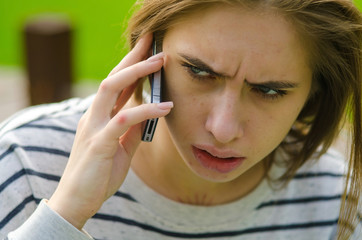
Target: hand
<point>106,139</point>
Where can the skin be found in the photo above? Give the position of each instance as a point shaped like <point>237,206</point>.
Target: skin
<point>106,139</point>
<point>226,113</point>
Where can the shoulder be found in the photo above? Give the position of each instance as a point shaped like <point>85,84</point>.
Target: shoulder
<point>43,128</point>
<point>40,133</point>
<point>332,163</point>
<point>328,169</point>
<point>323,176</point>
<point>34,148</point>
<point>316,186</point>
<point>65,108</point>
<point>310,200</point>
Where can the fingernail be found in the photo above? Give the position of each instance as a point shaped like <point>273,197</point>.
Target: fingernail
<point>165,105</point>
<point>156,57</point>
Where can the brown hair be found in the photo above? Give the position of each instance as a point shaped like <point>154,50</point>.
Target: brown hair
<point>333,32</point>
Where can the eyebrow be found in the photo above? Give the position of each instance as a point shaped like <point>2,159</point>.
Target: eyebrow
<point>203,66</point>
<point>269,84</point>
<point>274,84</point>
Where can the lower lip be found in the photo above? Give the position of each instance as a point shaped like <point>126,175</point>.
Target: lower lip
<point>222,165</point>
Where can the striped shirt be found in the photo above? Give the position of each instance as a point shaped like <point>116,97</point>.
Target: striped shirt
<point>35,145</point>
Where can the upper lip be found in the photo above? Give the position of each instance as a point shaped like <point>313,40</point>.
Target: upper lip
<point>219,152</point>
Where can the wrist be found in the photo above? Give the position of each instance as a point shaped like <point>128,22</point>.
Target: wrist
<point>68,212</point>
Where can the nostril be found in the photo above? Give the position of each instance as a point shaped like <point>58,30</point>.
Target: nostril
<point>224,129</point>
<point>224,120</point>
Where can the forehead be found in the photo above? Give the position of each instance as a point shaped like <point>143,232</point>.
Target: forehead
<point>235,24</point>
<point>230,37</point>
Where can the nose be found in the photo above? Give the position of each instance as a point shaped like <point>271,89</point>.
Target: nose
<point>224,121</point>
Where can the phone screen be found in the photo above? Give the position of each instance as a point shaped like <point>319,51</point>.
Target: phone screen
<point>155,85</point>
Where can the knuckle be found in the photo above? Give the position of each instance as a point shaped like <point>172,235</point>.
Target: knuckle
<point>104,86</point>
<point>82,121</point>
<point>122,118</point>
<point>107,86</point>
<point>93,145</point>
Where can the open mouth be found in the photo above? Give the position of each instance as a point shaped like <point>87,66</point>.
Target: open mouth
<point>221,165</point>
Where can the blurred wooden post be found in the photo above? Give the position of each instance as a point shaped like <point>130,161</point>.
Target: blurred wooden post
<point>48,59</point>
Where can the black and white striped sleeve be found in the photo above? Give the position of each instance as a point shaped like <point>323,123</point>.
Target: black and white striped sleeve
<point>45,224</point>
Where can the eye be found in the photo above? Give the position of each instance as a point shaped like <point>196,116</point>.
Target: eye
<point>268,93</point>
<point>267,90</point>
<point>197,72</point>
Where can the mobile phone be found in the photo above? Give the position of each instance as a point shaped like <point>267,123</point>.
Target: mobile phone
<point>155,85</point>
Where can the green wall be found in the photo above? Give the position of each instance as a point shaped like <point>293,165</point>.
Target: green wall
<point>98,27</point>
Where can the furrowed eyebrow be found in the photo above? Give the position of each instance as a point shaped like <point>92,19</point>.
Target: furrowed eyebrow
<point>202,65</point>
<point>275,84</point>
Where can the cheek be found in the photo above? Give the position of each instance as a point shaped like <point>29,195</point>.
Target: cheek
<point>180,89</point>
<point>186,114</point>
<point>266,130</point>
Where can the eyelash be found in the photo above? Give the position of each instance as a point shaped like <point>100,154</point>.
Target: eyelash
<point>259,89</point>
<point>191,71</point>
<point>262,91</point>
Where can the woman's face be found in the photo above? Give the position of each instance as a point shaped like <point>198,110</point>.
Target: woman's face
<point>238,80</point>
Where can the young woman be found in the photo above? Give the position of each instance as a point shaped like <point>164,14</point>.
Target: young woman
<point>255,93</point>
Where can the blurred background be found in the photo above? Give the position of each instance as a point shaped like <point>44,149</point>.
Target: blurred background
<point>52,50</point>
<point>42,41</point>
